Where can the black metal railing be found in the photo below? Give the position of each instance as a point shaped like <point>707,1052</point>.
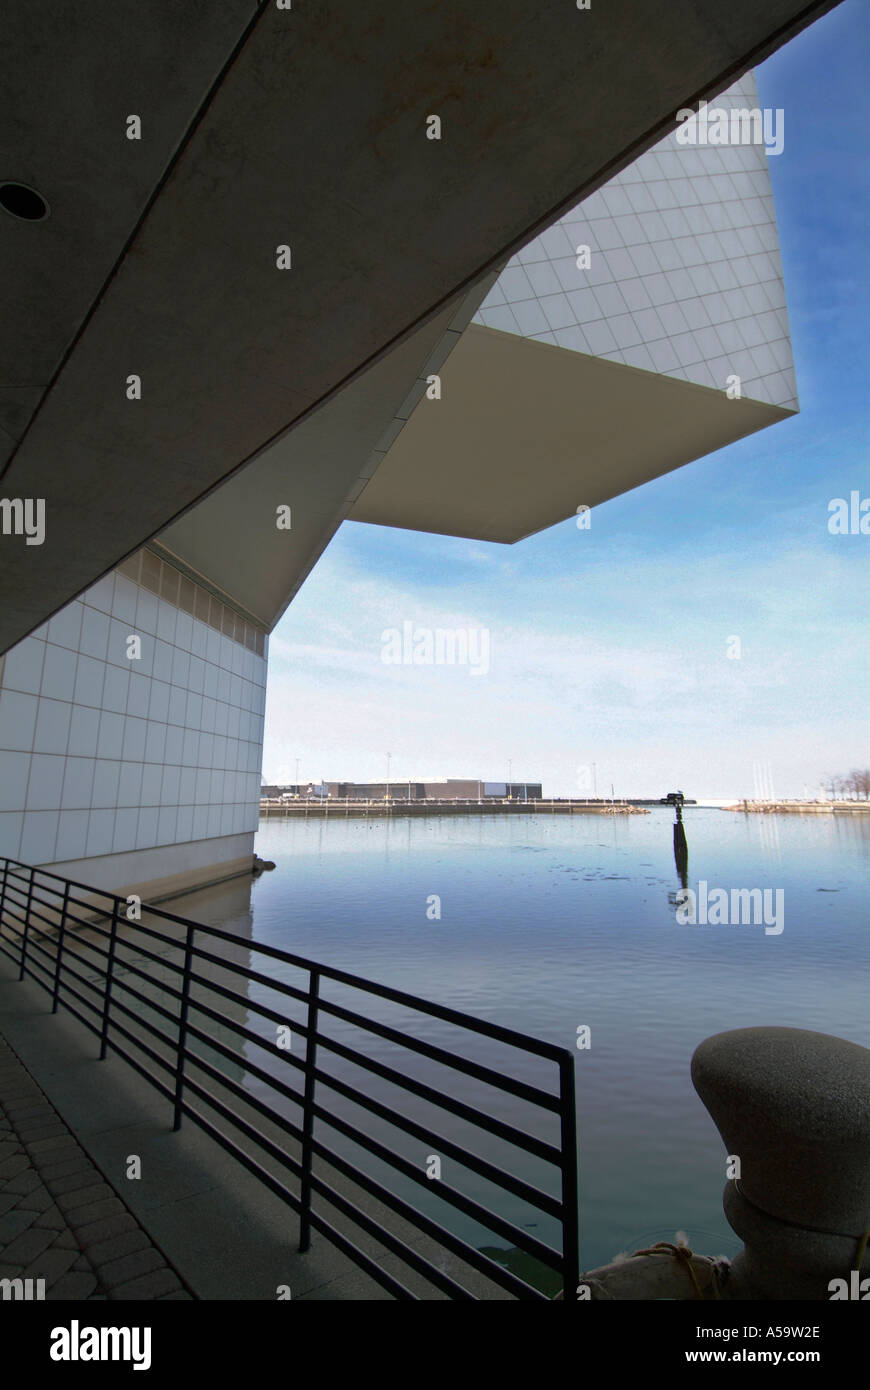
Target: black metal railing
<point>151,995</point>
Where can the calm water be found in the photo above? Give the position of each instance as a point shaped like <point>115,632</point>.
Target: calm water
<point>551,922</point>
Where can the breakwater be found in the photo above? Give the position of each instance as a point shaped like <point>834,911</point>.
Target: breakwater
<point>803,808</point>
<point>324,808</point>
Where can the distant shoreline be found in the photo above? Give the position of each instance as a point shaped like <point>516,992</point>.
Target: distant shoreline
<point>803,808</point>
<point>349,808</point>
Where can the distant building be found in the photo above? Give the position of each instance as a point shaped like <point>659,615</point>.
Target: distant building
<point>440,789</point>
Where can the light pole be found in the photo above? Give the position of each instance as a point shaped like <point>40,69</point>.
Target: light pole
<point>510,778</point>
<point>389,755</point>
<point>297,776</point>
<point>594,782</point>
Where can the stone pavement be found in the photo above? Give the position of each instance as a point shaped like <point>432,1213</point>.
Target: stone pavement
<point>59,1219</point>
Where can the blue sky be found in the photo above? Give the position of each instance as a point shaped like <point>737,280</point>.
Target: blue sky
<point>608,646</point>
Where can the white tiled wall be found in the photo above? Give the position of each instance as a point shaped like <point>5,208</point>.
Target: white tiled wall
<point>100,754</point>
<point>685,276</point>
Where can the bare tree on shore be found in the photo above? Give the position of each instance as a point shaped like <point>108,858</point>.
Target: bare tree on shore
<point>854,786</point>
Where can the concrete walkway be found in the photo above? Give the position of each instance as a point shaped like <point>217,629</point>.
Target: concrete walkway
<point>224,1232</point>
<point>60,1221</point>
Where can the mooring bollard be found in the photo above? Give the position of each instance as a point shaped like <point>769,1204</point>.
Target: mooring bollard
<point>794,1108</point>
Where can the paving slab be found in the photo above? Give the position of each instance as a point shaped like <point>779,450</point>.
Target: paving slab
<point>226,1235</point>
<point>43,1203</point>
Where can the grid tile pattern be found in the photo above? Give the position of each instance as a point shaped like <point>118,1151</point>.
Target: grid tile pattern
<point>161,578</point>
<point>102,753</point>
<point>685,276</point>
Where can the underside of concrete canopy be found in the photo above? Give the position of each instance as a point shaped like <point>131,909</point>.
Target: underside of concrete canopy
<point>264,128</point>
<point>232,537</point>
<point>525,433</point>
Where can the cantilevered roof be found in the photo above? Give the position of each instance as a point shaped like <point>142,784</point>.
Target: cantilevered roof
<point>525,433</point>
<point>261,128</point>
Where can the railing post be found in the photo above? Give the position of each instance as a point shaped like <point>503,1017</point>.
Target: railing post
<point>59,956</point>
<point>182,1026</point>
<point>110,966</point>
<point>26,925</point>
<point>308,1112</point>
<point>3,893</point>
<point>570,1193</point>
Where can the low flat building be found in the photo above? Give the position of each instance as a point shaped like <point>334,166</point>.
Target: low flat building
<point>439,789</point>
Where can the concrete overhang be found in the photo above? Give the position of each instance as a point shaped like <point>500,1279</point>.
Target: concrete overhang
<point>525,433</point>
<point>264,127</point>
<point>231,537</point>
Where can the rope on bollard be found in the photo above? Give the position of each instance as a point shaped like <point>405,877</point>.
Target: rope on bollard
<point>683,1255</point>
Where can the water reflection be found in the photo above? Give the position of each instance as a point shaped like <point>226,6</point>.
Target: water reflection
<point>551,922</point>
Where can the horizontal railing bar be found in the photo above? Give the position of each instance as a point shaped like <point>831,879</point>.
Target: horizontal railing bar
<point>35,943</point>
<point>260,1073</point>
<point>15,918</point>
<point>88,926</point>
<point>86,887</point>
<point>166,1091</point>
<point>142,952</point>
<point>396,1246</point>
<point>53,906</point>
<point>455,1244</point>
<point>72,938</point>
<point>250,1005</point>
<point>33,913</point>
<point>438,1054</point>
<point>268,981</point>
<point>243,970</point>
<point>28,962</point>
<point>38,946</point>
<point>493,1030</point>
<point>320,1223</point>
<point>85,1022</point>
<point>250,1131</point>
<point>46,977</point>
<point>549,1257</point>
<point>535,1198</point>
<point>144,1023</point>
<point>144,1047</point>
<point>71,934</point>
<point>88,984</point>
<point>360,1258</point>
<point>357,1216</point>
<point>488,1219</point>
<point>462,1020</point>
<point>235,1088</point>
<point>533,1195</point>
<point>131,968</point>
<point>88,1003</point>
<point>501,1128</point>
<point>143,928</point>
<point>246,1033</point>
